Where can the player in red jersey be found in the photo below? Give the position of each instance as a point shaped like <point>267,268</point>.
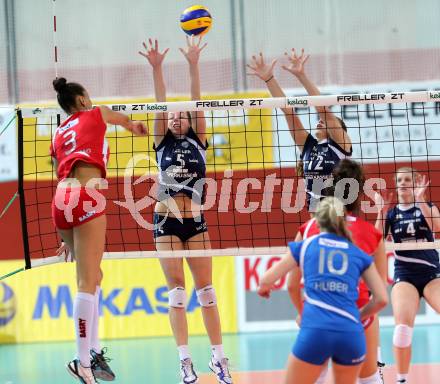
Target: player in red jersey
<point>368,239</point>
<point>80,153</point>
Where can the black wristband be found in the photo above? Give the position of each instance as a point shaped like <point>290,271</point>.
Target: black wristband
<point>269,79</point>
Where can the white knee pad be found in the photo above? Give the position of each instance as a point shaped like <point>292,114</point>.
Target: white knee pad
<point>402,336</point>
<point>206,296</point>
<point>177,297</point>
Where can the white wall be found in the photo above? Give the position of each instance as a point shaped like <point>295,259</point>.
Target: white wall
<point>98,42</point>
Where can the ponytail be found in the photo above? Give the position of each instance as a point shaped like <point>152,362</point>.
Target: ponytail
<point>67,93</point>
<point>300,168</point>
<point>330,216</point>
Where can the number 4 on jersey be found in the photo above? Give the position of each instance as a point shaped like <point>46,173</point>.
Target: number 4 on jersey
<point>410,229</point>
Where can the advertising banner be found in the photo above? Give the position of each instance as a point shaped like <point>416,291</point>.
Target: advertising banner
<point>36,305</point>
<point>256,314</point>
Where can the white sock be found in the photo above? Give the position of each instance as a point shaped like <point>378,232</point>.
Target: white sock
<point>217,352</point>
<point>373,379</point>
<point>183,352</point>
<point>322,376</point>
<point>402,376</point>
<point>83,307</point>
<point>379,355</point>
<point>94,335</point>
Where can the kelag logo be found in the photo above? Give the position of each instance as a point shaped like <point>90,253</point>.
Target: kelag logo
<point>51,302</point>
<point>7,304</point>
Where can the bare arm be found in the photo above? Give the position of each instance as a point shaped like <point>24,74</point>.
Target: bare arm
<point>379,294</point>
<point>335,130</point>
<point>192,54</point>
<point>294,284</point>
<point>274,273</point>
<point>431,214</point>
<point>382,205</point>
<point>380,221</point>
<point>117,118</point>
<point>265,72</point>
<point>294,287</point>
<point>380,259</point>
<point>155,58</point>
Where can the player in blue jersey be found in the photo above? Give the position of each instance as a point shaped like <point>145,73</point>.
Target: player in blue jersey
<point>319,153</point>
<point>365,236</point>
<point>180,145</point>
<point>331,325</point>
<point>416,272</point>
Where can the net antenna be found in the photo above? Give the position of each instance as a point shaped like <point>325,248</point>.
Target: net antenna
<point>244,108</point>
<point>54,38</point>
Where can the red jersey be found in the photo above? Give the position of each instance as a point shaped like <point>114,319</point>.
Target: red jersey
<point>80,138</point>
<point>365,235</point>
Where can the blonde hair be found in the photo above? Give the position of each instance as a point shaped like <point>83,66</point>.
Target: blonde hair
<point>330,216</point>
<point>414,172</point>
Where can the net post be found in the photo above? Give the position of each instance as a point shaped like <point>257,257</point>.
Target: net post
<point>24,229</point>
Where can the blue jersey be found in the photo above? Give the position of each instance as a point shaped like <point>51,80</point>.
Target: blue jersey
<point>407,224</point>
<point>320,158</point>
<point>331,266</point>
<point>182,166</point>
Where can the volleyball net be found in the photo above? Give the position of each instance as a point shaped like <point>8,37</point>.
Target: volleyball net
<point>255,201</point>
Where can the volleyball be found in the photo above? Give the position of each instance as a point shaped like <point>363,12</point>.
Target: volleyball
<point>196,20</point>
<point>7,304</point>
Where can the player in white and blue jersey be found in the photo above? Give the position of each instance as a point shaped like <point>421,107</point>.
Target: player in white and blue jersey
<point>180,145</point>
<point>416,272</point>
<point>320,153</point>
<point>331,325</point>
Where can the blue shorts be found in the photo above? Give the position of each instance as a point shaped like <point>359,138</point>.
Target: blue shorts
<point>419,281</point>
<point>171,226</point>
<point>316,346</point>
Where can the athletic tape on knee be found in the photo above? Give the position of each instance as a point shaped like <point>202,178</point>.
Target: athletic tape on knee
<point>177,297</point>
<point>206,296</point>
<point>402,336</point>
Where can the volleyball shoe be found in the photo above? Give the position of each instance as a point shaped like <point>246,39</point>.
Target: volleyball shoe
<point>100,366</point>
<point>221,370</point>
<point>187,372</point>
<point>83,374</point>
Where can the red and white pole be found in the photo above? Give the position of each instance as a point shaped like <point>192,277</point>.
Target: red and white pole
<point>55,46</point>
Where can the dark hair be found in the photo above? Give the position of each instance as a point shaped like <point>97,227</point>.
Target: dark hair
<point>188,115</point>
<point>67,93</point>
<point>300,164</point>
<point>300,168</point>
<point>349,169</point>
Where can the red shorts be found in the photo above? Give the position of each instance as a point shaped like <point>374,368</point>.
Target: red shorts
<point>73,206</point>
<point>363,299</point>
